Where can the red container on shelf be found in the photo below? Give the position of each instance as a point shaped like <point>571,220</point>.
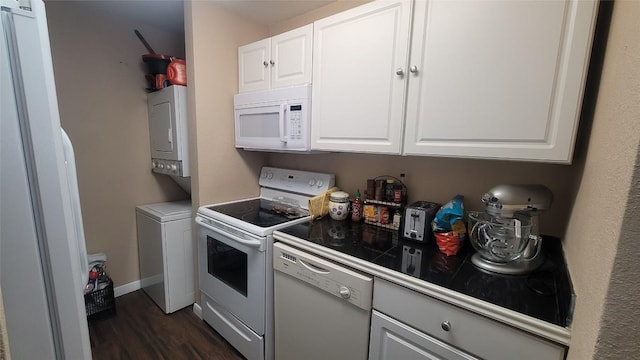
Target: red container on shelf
<point>177,72</point>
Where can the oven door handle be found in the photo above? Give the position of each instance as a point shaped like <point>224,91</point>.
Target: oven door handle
<point>251,243</point>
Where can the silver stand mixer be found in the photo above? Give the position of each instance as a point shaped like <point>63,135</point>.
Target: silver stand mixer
<point>506,236</point>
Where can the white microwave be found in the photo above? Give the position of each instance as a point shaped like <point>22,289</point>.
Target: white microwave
<point>274,120</point>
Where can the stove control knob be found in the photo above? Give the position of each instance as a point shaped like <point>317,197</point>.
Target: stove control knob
<point>312,182</point>
<point>269,175</point>
<point>345,292</point>
<point>173,167</point>
<point>161,166</point>
<point>319,183</point>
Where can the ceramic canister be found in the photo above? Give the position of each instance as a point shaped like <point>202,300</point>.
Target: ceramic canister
<point>339,205</point>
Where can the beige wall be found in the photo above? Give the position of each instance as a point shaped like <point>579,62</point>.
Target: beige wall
<point>440,179</point>
<point>100,85</point>
<point>603,230</point>
<point>620,323</point>
<point>220,171</point>
<point>311,16</point>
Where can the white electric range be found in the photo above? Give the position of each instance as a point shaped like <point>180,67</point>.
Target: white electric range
<point>235,253</point>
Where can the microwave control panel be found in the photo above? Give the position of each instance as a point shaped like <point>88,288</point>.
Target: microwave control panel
<point>295,121</point>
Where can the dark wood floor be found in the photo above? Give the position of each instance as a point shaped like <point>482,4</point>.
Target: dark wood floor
<point>140,330</point>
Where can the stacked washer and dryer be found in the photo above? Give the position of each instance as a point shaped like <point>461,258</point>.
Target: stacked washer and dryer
<point>165,243</point>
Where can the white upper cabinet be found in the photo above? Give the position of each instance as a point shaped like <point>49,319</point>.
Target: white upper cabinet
<point>358,99</point>
<point>497,79</point>
<point>279,61</point>
<point>480,79</point>
<point>291,55</point>
<point>254,69</point>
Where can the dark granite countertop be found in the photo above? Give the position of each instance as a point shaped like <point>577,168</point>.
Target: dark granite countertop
<point>544,294</point>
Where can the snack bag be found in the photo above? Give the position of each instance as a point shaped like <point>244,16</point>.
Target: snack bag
<point>448,226</point>
<point>448,214</point>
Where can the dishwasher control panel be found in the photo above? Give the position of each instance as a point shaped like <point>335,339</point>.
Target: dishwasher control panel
<point>335,279</point>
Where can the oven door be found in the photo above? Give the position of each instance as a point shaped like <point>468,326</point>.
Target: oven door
<point>232,270</point>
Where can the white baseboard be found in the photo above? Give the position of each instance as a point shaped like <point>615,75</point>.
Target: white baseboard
<point>126,288</point>
<point>197,310</point>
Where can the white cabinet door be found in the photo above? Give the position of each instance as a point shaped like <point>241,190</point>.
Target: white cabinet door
<point>393,340</point>
<point>291,57</point>
<point>358,99</point>
<point>279,61</point>
<point>179,267</point>
<point>254,69</point>
<point>497,79</point>
<point>447,325</point>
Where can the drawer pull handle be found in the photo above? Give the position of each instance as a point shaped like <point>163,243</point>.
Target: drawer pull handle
<point>446,326</point>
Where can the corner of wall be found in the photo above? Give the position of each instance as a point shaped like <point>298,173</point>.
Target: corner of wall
<point>600,253</point>
<point>620,324</point>
<point>221,172</point>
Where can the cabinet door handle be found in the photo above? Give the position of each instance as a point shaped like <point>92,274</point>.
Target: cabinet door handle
<point>446,326</point>
<point>265,63</point>
<point>400,72</point>
<point>413,69</point>
<point>272,62</point>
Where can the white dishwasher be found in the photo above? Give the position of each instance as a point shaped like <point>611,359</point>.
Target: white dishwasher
<point>322,310</point>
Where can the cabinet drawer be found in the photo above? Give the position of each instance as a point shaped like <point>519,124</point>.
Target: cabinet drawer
<point>470,332</point>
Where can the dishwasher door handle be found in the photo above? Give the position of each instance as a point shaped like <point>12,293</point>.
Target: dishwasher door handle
<point>314,268</point>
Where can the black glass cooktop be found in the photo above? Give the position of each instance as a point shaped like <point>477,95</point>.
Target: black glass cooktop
<point>544,294</point>
<point>260,212</point>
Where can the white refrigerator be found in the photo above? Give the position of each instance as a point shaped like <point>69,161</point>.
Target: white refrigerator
<point>41,237</point>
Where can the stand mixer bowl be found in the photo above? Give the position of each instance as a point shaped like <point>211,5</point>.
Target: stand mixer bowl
<point>499,240</point>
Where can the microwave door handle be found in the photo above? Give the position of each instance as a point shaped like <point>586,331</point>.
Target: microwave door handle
<point>283,109</point>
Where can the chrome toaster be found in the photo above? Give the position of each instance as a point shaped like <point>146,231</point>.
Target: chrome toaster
<point>417,220</point>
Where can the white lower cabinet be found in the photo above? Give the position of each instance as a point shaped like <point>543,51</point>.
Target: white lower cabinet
<point>409,325</point>
<point>393,340</point>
